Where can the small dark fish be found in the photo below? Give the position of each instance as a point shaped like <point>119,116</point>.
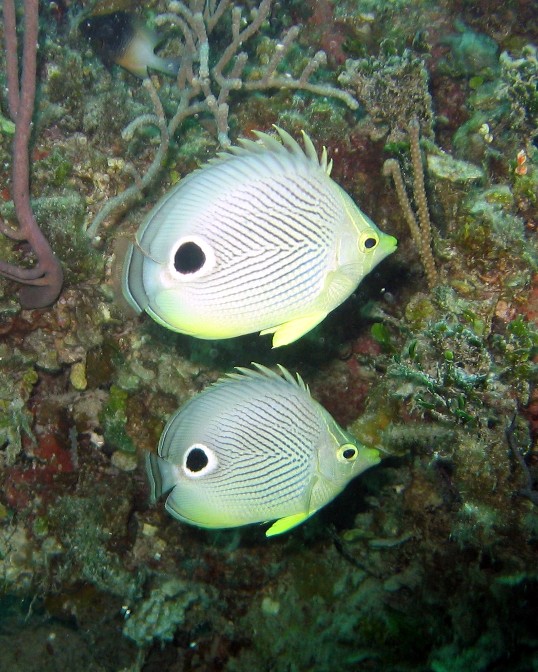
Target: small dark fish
<point>120,38</point>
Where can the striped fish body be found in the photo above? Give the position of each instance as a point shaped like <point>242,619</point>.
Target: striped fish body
<point>253,447</point>
<point>260,239</point>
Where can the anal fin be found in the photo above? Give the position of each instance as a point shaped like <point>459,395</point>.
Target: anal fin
<point>289,522</point>
<point>288,332</point>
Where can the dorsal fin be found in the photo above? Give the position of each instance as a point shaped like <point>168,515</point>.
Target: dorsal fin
<point>287,145</point>
<point>263,373</point>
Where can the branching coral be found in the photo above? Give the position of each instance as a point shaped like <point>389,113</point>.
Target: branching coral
<point>205,89</point>
<point>394,90</point>
<point>421,230</point>
<point>42,282</point>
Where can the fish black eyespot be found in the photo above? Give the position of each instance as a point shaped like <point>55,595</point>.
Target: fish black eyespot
<point>189,258</point>
<point>199,460</point>
<point>368,241</point>
<point>196,460</point>
<point>347,453</point>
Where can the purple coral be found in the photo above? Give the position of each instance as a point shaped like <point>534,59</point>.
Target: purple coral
<point>42,282</point>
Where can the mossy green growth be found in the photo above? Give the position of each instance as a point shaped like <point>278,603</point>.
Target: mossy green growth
<point>451,388</point>
<point>61,218</point>
<point>58,167</point>
<point>40,526</point>
<point>499,195</point>
<point>445,365</point>
<point>519,76</point>
<point>381,334</point>
<point>15,420</point>
<point>526,186</point>
<point>17,379</point>
<point>518,348</point>
<point>113,418</point>
<point>472,54</point>
<point>446,168</point>
<point>378,83</point>
<point>85,525</point>
<point>460,367</point>
<point>493,236</point>
<point>7,127</point>
<point>419,311</point>
<point>159,615</point>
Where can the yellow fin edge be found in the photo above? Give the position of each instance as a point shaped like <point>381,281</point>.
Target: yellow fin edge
<point>288,332</point>
<point>289,522</point>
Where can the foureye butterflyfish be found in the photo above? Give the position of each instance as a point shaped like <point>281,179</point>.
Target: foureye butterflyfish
<point>254,447</point>
<point>258,239</point>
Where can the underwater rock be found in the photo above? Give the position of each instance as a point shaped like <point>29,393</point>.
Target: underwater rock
<point>444,167</point>
<point>394,90</point>
<point>159,615</point>
<point>471,53</point>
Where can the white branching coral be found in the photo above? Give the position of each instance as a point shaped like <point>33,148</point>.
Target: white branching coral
<point>208,74</point>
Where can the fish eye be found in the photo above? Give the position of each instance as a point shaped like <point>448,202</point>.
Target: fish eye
<point>199,460</point>
<point>368,241</point>
<point>191,257</point>
<point>347,453</point>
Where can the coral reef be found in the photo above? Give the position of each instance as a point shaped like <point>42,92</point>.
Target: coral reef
<point>428,563</point>
<point>205,81</point>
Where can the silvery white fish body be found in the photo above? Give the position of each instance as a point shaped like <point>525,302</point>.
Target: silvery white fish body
<point>254,447</point>
<point>259,239</point>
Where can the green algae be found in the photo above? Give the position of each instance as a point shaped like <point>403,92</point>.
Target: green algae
<point>17,380</point>
<point>472,54</point>
<point>393,90</point>
<point>520,78</point>
<point>7,127</point>
<point>444,167</point>
<point>162,612</point>
<point>114,420</point>
<point>81,525</point>
<point>61,218</point>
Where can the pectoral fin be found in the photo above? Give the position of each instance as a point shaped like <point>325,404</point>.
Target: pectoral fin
<point>288,523</point>
<point>290,331</point>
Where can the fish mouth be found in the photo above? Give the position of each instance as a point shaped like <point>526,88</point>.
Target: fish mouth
<point>390,243</point>
<point>387,245</point>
